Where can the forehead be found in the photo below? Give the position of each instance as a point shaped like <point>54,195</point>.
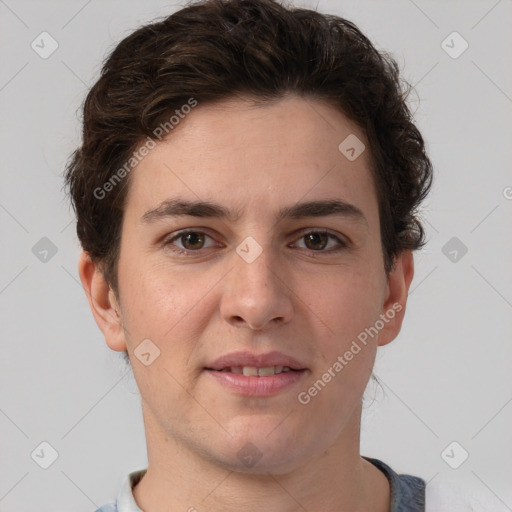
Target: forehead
<point>239,154</point>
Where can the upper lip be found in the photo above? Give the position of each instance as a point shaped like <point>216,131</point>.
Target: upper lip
<point>236,359</point>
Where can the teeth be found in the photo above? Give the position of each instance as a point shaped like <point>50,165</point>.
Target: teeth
<point>264,372</point>
<point>252,371</point>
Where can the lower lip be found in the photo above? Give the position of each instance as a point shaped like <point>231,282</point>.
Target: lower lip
<point>257,386</point>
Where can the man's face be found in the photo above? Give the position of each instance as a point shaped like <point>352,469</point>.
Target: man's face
<point>212,294</point>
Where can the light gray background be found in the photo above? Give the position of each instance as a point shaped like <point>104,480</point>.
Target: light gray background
<point>446,377</point>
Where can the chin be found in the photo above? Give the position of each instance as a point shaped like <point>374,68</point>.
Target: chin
<point>251,460</point>
<point>263,447</point>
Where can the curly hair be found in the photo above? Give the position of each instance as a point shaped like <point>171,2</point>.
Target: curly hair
<point>218,49</point>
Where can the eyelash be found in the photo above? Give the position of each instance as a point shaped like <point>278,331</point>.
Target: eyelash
<point>189,252</point>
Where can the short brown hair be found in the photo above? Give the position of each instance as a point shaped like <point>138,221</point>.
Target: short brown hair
<point>218,49</point>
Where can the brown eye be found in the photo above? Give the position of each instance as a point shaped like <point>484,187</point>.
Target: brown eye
<point>316,241</point>
<point>192,241</point>
<point>188,242</point>
<point>321,241</point>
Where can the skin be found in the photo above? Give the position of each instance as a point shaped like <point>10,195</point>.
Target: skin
<point>305,302</point>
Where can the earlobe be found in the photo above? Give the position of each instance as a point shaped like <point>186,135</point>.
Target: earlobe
<point>103,303</point>
<point>393,310</point>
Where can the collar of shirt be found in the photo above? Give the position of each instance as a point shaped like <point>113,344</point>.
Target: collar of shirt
<point>125,500</point>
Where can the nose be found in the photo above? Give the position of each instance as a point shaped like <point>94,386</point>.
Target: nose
<point>256,295</point>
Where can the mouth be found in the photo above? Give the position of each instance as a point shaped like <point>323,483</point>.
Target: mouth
<point>253,371</point>
<point>254,364</point>
<point>256,375</point>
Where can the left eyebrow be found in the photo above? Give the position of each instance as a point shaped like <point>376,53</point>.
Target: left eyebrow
<point>325,208</point>
<point>321,208</point>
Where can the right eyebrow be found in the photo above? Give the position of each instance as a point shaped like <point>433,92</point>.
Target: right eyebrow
<point>177,207</point>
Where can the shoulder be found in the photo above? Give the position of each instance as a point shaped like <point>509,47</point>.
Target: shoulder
<point>455,497</point>
<point>125,501</point>
<point>108,507</point>
<point>407,491</point>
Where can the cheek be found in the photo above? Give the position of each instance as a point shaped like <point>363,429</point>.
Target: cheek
<point>345,306</point>
<point>345,302</point>
<point>158,297</point>
<point>346,358</point>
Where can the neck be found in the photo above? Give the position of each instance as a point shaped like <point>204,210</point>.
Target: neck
<point>338,480</point>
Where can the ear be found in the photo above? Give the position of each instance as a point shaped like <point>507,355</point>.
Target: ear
<point>103,303</point>
<point>393,310</point>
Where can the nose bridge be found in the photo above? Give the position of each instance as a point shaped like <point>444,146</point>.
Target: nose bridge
<point>255,293</point>
<point>255,264</point>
